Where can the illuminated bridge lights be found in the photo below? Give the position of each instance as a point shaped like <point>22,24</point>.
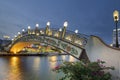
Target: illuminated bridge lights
<point>30,36</point>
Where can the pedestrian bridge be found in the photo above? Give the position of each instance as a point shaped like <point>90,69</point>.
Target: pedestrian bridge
<point>68,41</point>
<point>78,45</point>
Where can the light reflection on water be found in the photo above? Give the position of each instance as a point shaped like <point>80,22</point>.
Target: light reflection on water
<point>14,69</point>
<point>31,67</point>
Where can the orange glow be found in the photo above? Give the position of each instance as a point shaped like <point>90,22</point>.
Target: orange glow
<point>19,46</point>
<point>53,61</point>
<point>15,70</point>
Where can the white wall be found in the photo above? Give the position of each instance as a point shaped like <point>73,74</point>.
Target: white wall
<point>96,49</point>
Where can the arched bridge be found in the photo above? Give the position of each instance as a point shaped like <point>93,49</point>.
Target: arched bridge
<point>68,41</point>
<point>75,44</point>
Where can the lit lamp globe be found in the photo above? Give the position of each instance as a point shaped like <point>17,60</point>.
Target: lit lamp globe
<point>48,23</point>
<point>65,24</point>
<point>29,27</point>
<point>60,29</point>
<point>18,33</point>
<point>15,36</point>
<point>116,15</point>
<point>76,31</point>
<point>23,30</point>
<point>37,25</point>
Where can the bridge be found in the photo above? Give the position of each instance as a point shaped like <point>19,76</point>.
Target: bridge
<point>68,41</point>
<point>76,44</point>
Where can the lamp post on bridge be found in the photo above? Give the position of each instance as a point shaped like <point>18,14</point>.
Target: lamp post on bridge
<point>64,29</point>
<point>23,30</point>
<point>47,28</point>
<point>36,29</point>
<point>116,19</point>
<point>74,36</point>
<point>59,33</point>
<point>18,33</point>
<point>29,29</point>
<point>15,36</point>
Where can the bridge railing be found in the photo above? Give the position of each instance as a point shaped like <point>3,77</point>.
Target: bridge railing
<point>70,36</point>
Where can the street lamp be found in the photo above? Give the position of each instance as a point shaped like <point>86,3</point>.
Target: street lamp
<point>64,29</point>
<point>116,18</point>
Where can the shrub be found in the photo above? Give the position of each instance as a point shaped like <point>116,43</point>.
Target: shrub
<point>80,71</point>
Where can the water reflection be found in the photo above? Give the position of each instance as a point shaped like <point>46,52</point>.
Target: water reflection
<point>31,67</point>
<point>52,61</point>
<point>68,58</point>
<point>36,64</point>
<point>15,71</point>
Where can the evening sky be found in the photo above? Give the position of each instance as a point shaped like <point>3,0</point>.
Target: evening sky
<point>91,17</point>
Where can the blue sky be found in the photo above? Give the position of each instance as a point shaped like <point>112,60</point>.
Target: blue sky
<point>91,17</point>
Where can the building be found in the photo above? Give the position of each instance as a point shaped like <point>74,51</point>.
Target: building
<point>114,36</point>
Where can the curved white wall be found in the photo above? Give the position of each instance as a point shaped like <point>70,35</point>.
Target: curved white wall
<point>96,49</point>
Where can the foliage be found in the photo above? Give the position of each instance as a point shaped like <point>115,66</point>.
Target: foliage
<point>80,71</point>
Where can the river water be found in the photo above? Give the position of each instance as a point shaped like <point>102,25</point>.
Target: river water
<point>31,67</point>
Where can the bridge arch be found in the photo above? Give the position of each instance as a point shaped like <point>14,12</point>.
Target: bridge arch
<point>71,43</point>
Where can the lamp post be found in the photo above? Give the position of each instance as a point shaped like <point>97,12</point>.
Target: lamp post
<point>59,33</point>
<point>23,30</point>
<point>64,29</point>
<point>36,29</point>
<point>47,28</point>
<point>29,29</point>
<point>74,36</point>
<point>116,18</point>
<point>37,25</point>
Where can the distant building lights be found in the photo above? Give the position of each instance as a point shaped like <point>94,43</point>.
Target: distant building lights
<point>6,37</point>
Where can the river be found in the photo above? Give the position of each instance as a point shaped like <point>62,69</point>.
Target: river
<point>31,67</point>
